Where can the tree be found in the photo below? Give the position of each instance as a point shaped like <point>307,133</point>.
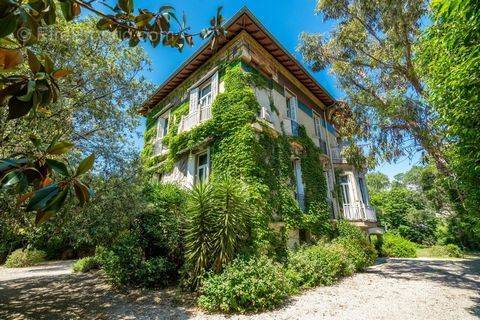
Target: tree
<point>449,56</point>
<point>371,51</point>
<point>377,182</point>
<point>35,88</point>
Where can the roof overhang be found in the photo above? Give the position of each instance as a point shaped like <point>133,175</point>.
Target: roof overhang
<point>243,20</point>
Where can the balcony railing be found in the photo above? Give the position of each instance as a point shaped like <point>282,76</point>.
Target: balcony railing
<point>336,154</point>
<point>358,211</point>
<point>158,147</point>
<point>195,118</point>
<point>265,114</point>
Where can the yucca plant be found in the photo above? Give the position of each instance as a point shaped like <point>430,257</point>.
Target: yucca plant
<point>198,233</point>
<point>230,220</point>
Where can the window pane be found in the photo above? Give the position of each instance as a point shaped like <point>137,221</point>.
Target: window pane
<point>206,90</point>
<point>201,174</point>
<point>289,107</point>
<point>202,159</point>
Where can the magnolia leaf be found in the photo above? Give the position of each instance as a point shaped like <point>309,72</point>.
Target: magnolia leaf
<point>9,24</point>
<point>61,73</point>
<point>126,5</point>
<point>9,58</point>
<point>58,167</point>
<point>81,192</point>
<point>18,108</point>
<point>41,197</point>
<point>43,216</point>
<point>30,90</point>
<point>33,62</point>
<point>85,165</point>
<point>60,147</point>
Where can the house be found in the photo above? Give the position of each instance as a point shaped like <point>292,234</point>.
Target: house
<point>290,106</point>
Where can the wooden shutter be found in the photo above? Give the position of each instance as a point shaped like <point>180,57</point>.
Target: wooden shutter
<point>294,108</point>
<point>214,85</point>
<point>193,100</point>
<point>160,126</point>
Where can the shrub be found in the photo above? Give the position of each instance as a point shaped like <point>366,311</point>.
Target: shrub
<point>252,284</point>
<point>396,246</point>
<point>157,272</point>
<point>24,258</point>
<point>314,265</point>
<point>125,264</point>
<point>86,264</point>
<point>347,230</point>
<point>123,260</point>
<point>357,254</point>
<point>449,250</point>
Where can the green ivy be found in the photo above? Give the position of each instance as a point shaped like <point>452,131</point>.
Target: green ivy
<point>261,159</point>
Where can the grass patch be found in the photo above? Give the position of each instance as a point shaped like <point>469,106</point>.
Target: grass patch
<point>439,251</point>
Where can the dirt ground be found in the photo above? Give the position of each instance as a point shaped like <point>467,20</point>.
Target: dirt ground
<point>393,289</point>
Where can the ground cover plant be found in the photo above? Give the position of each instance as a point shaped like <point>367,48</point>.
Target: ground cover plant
<point>24,257</point>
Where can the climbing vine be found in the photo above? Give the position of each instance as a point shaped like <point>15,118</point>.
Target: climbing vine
<point>249,150</point>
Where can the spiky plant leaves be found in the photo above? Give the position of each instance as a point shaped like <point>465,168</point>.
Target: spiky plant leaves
<point>198,231</point>
<point>230,220</point>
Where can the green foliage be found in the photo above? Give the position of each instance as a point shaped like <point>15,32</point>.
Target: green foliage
<point>449,250</point>
<point>393,245</point>
<point>24,258</point>
<point>216,227</point>
<point>412,205</point>
<point>358,253</point>
<point>314,265</point>
<point>377,182</point>
<point>448,55</point>
<point>86,264</point>
<point>253,284</point>
<point>122,261</point>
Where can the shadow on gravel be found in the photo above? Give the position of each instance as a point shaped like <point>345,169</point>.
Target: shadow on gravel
<point>464,274</point>
<point>84,296</point>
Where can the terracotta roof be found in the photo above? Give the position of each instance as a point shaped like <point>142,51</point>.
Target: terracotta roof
<point>243,20</point>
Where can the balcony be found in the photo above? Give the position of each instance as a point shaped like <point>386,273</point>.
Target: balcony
<point>158,147</point>
<point>336,155</point>
<point>358,211</point>
<point>193,119</point>
<point>265,114</point>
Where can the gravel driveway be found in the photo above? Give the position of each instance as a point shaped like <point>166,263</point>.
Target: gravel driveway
<point>393,289</point>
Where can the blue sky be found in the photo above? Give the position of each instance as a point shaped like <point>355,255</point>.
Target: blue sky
<point>284,19</point>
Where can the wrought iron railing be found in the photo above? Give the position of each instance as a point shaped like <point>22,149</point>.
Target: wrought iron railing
<point>358,211</point>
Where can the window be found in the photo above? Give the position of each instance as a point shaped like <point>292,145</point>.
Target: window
<point>290,107</point>
<point>363,190</point>
<point>317,122</point>
<point>346,189</point>
<point>202,167</point>
<point>205,94</point>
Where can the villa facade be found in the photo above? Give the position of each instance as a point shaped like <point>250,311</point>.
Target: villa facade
<point>292,102</point>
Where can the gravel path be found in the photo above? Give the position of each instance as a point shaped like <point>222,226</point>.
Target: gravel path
<point>395,289</point>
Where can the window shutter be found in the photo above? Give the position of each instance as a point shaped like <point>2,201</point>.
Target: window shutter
<point>214,85</point>
<point>160,126</point>
<point>193,100</point>
<point>294,108</point>
<point>191,170</point>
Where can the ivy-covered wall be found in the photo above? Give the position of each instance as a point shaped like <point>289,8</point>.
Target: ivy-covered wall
<point>256,154</point>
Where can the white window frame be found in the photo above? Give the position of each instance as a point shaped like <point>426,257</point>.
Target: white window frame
<point>205,166</point>
<point>293,109</point>
<point>318,126</point>
<point>347,190</point>
<point>206,100</point>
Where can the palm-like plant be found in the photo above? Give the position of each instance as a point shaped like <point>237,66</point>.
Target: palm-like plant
<point>216,227</point>
<point>198,232</point>
<point>230,220</point>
